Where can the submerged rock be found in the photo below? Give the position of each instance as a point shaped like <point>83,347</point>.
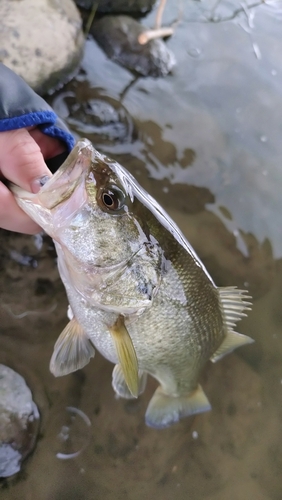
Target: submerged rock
<point>41,40</point>
<point>118,37</point>
<point>19,420</point>
<point>90,113</point>
<point>119,6</point>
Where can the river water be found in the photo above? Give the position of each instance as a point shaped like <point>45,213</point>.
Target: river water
<point>206,143</point>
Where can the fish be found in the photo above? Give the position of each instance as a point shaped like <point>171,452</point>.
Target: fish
<point>137,291</point>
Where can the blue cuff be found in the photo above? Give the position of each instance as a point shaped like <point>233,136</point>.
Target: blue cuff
<point>46,120</point>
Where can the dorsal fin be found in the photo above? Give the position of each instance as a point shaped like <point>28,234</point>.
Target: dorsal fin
<point>234,303</point>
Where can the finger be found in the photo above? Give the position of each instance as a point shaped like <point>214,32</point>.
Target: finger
<point>49,146</point>
<point>11,215</point>
<point>21,159</point>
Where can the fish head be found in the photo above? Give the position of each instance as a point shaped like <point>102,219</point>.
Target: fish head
<point>90,208</point>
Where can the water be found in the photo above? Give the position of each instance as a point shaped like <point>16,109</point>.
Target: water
<point>206,142</point>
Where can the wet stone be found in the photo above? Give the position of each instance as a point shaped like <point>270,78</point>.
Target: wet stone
<point>47,50</point>
<point>101,119</point>
<point>119,6</point>
<point>118,37</point>
<point>19,419</point>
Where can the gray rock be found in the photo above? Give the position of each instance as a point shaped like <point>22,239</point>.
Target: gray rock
<point>118,37</point>
<point>89,113</point>
<point>41,40</point>
<point>119,6</point>
<point>19,420</point>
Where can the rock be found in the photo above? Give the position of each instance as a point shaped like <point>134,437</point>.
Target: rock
<point>99,117</point>
<point>19,419</point>
<point>118,37</point>
<point>91,114</point>
<point>119,6</point>
<point>41,40</point>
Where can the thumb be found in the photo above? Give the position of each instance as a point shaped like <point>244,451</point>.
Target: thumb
<point>21,160</point>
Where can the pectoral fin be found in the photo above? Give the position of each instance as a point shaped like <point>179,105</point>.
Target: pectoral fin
<point>120,386</point>
<point>165,410</point>
<point>72,350</point>
<point>126,355</point>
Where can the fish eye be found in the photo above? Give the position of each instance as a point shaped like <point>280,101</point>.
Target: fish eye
<point>112,199</point>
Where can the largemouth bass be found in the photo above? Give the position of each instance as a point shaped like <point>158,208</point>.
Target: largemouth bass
<point>136,288</point>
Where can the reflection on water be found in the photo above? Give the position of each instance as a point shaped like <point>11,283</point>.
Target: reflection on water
<point>206,142</point>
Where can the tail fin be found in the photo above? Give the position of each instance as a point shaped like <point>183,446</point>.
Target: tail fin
<point>165,410</point>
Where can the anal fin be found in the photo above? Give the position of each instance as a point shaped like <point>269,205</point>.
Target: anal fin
<point>72,350</point>
<point>231,342</point>
<point>165,410</point>
<point>120,386</point>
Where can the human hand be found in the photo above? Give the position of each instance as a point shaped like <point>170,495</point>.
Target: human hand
<point>22,155</point>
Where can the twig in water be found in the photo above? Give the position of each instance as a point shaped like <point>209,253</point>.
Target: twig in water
<point>158,31</point>
<point>27,313</point>
<point>90,19</point>
<point>159,15</point>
